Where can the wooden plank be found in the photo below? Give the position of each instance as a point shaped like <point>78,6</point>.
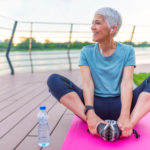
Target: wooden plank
<point>60,133</point>
<point>22,124</point>
<point>24,127</point>
<point>10,122</point>
<point>30,143</point>
<point>56,139</point>
<point>18,104</point>
<point>8,89</point>
<point>19,96</point>
<point>4,104</point>
<point>12,93</point>
<point>17,91</point>
<point>11,82</point>
<point>68,112</point>
<point>7,83</point>
<point>54,116</point>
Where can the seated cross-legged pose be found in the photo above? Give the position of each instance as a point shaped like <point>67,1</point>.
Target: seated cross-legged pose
<point>107,69</point>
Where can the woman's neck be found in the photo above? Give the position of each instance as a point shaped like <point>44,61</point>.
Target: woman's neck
<point>107,47</point>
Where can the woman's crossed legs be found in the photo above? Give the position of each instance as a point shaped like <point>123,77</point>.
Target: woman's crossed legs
<point>71,96</point>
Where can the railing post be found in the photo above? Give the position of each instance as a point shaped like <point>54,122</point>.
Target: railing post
<point>30,47</point>
<point>133,30</point>
<point>9,47</point>
<point>69,45</point>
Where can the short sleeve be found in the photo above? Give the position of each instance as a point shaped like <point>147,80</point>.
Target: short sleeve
<point>83,59</point>
<point>130,61</point>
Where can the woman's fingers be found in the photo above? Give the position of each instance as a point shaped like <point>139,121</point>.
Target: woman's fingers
<point>93,130</point>
<point>126,133</point>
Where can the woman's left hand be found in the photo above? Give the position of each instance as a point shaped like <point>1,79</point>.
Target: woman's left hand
<point>125,126</point>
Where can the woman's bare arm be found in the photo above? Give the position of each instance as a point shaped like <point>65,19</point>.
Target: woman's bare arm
<point>87,85</point>
<point>88,93</point>
<point>126,100</point>
<point>127,90</point>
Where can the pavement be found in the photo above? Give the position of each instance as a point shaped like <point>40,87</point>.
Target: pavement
<point>142,68</point>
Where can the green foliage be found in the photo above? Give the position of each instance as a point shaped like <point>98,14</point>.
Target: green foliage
<point>79,45</point>
<point>25,44</point>
<point>4,44</point>
<point>128,43</point>
<point>139,78</point>
<point>48,45</point>
<point>142,44</point>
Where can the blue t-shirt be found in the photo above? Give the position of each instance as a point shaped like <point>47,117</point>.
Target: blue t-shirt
<point>107,71</point>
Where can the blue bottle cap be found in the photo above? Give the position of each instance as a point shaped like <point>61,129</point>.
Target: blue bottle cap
<point>42,107</point>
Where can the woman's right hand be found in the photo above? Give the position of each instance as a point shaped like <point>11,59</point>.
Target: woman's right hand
<point>93,120</point>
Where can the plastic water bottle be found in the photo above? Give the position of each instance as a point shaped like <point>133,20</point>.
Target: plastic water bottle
<point>43,128</point>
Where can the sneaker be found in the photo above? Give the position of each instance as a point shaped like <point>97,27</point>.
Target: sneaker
<point>102,130</point>
<point>110,131</point>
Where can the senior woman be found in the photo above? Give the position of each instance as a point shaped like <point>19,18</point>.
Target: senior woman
<point>107,79</point>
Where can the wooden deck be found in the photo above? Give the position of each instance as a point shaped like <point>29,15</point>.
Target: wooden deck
<point>20,98</point>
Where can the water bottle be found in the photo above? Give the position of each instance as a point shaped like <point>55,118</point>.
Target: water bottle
<point>43,128</point>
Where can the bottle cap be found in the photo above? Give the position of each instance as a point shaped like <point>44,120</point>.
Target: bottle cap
<point>42,107</point>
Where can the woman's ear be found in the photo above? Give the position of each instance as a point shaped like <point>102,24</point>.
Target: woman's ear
<point>114,29</point>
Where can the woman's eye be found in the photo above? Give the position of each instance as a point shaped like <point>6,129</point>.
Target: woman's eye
<point>97,23</point>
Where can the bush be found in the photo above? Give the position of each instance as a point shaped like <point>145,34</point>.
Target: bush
<point>139,78</point>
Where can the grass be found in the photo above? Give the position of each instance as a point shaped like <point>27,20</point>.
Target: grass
<point>140,77</point>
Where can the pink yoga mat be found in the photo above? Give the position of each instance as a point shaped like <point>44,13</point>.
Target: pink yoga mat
<point>79,139</point>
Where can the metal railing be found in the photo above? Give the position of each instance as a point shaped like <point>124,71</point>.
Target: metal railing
<point>52,31</point>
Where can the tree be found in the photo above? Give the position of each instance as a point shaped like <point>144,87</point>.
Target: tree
<point>4,44</point>
<point>25,44</point>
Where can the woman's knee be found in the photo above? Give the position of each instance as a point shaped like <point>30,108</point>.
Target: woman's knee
<point>144,96</point>
<point>52,80</point>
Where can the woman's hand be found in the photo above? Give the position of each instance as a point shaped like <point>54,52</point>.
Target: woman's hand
<point>125,126</point>
<point>93,120</point>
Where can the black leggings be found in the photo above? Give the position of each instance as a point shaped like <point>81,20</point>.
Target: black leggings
<point>105,107</point>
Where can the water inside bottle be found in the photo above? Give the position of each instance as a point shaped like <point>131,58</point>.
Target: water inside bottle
<point>44,144</point>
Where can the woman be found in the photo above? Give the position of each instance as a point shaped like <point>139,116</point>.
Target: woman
<point>107,79</point>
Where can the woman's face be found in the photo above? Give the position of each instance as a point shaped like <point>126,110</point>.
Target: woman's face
<point>100,29</point>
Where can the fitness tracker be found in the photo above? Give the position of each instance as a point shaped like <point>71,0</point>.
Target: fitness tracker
<point>87,108</point>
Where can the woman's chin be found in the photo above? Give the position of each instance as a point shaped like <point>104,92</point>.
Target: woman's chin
<point>95,40</point>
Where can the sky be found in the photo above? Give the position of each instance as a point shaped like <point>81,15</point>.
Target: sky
<point>133,12</point>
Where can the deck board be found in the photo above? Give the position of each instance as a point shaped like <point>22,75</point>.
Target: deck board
<point>20,114</point>
<point>17,134</point>
<point>59,135</point>
<point>54,117</point>
<point>56,139</point>
<point>20,99</point>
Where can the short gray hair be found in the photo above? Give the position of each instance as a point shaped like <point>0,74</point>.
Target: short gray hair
<point>111,16</point>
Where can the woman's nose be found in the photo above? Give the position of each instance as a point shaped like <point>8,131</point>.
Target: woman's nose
<point>93,26</point>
